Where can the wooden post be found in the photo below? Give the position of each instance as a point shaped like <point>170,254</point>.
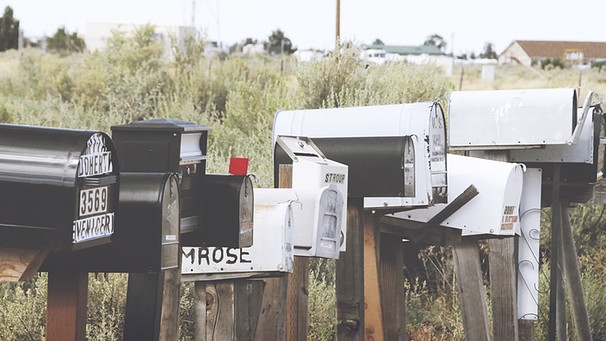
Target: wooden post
<point>555,331</point>
<point>503,277</point>
<point>392,287</point>
<point>66,306</point>
<point>572,275</point>
<point>297,300</point>
<point>350,276</point>
<point>373,314</point>
<point>152,305</point>
<point>200,313</point>
<point>470,286</point>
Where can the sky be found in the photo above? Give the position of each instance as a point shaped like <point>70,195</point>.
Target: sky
<point>466,25</point>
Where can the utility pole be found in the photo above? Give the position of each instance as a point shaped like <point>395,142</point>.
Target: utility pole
<point>338,27</point>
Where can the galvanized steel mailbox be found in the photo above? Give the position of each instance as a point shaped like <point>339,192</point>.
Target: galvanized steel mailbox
<point>396,153</point>
<point>539,127</point>
<point>147,230</point>
<point>494,211</point>
<point>58,188</point>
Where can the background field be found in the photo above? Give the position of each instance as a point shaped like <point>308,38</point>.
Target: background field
<point>238,97</point>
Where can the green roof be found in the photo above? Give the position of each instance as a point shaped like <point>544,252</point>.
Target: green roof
<point>408,50</point>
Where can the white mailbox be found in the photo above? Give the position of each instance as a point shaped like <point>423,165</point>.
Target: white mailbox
<point>494,211</point>
<point>539,127</point>
<point>319,196</point>
<point>270,254</point>
<point>495,119</point>
<point>396,153</point>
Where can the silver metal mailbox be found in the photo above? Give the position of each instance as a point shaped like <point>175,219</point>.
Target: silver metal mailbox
<point>396,153</point>
<point>58,188</point>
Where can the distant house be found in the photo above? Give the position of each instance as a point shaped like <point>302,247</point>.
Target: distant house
<point>527,52</point>
<point>422,54</point>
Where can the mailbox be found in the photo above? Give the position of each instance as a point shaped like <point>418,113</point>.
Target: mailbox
<point>147,230</point>
<point>539,127</point>
<point>396,153</point>
<point>228,211</point>
<point>271,252</point>
<point>168,145</point>
<point>494,211</point>
<point>58,188</point>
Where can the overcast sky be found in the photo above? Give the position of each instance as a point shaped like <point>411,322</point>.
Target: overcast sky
<point>466,25</point>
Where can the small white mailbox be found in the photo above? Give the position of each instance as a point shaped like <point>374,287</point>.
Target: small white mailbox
<point>494,211</point>
<point>319,196</point>
<point>270,254</point>
<point>396,153</point>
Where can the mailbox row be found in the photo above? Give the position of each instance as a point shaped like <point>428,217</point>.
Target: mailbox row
<point>129,202</point>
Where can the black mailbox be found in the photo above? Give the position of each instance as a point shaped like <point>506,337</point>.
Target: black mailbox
<point>147,230</point>
<point>229,206</point>
<point>58,188</point>
<point>168,145</point>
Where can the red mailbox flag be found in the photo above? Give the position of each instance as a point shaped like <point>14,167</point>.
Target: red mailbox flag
<point>238,166</point>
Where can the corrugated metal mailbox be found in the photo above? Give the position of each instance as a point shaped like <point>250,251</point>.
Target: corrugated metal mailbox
<point>147,230</point>
<point>396,153</point>
<point>58,188</point>
<point>540,128</point>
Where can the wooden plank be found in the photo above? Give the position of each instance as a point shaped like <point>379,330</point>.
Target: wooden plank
<point>20,264</point>
<point>200,298</point>
<point>373,315</point>
<point>350,276</point>
<point>503,292</point>
<point>169,318</point>
<point>248,296</point>
<point>220,311</point>
<point>66,306</point>
<point>572,275</point>
<point>391,261</point>
<point>297,300</point>
<point>272,322</point>
<point>470,287</point>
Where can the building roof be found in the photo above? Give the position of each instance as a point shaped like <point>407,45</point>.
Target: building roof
<point>407,50</point>
<point>557,49</point>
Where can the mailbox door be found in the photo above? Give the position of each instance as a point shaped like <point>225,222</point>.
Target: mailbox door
<point>147,230</point>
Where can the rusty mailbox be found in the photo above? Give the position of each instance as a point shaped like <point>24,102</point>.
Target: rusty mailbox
<point>396,153</point>
<point>58,188</point>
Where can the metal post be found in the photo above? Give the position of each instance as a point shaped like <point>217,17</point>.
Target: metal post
<point>556,225</point>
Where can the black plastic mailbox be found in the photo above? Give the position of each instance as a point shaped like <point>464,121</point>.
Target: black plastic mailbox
<point>147,230</point>
<point>58,188</point>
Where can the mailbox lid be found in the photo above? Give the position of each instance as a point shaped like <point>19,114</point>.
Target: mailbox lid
<point>160,145</point>
<point>58,187</point>
<point>511,118</point>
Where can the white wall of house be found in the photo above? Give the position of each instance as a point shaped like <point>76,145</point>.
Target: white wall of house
<point>515,54</point>
<point>97,35</point>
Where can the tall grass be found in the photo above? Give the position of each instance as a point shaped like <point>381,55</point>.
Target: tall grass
<point>238,96</point>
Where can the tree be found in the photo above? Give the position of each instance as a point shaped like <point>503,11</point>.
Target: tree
<point>378,42</point>
<point>489,52</point>
<point>436,40</point>
<point>278,43</point>
<point>9,30</point>
<point>64,43</point>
